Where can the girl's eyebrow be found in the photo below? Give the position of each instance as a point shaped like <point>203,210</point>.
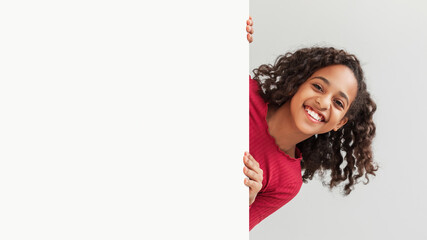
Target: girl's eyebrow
<point>328,83</point>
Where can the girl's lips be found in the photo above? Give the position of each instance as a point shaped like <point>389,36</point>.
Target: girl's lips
<point>310,117</point>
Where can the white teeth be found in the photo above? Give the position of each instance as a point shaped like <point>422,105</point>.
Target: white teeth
<point>314,114</point>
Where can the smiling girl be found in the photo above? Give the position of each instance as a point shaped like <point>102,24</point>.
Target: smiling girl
<point>310,112</point>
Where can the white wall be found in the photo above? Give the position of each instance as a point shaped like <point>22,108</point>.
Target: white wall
<point>389,37</point>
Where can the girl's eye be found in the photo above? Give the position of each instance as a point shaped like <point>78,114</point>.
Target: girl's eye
<point>339,103</point>
<point>317,86</point>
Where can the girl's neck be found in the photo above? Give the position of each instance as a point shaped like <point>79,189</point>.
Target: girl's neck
<point>283,129</point>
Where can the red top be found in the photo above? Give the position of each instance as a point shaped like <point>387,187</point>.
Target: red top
<point>282,178</point>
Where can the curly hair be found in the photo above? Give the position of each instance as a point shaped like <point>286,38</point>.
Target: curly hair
<point>327,151</point>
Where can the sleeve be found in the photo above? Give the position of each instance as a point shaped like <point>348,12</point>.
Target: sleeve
<point>253,89</point>
<point>266,203</point>
<point>256,111</point>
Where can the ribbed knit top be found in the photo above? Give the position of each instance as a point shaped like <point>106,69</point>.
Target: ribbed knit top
<point>282,178</point>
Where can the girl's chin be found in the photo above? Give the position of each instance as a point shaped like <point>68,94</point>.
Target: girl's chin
<point>310,129</point>
<point>307,130</point>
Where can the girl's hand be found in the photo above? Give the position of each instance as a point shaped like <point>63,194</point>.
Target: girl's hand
<point>254,174</point>
<point>249,29</point>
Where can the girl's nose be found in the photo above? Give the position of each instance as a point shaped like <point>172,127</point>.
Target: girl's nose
<point>323,103</point>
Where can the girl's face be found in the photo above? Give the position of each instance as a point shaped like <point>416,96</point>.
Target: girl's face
<point>321,102</point>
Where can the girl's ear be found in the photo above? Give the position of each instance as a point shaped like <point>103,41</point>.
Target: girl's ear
<point>341,123</point>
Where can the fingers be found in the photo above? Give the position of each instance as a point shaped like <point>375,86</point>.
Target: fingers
<point>252,174</point>
<point>249,21</point>
<point>251,163</point>
<point>253,185</point>
<point>252,169</point>
<point>249,29</point>
<point>252,159</point>
<point>249,37</point>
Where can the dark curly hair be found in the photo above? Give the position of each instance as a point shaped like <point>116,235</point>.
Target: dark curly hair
<point>327,151</point>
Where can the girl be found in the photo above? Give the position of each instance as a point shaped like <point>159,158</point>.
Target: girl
<point>309,111</point>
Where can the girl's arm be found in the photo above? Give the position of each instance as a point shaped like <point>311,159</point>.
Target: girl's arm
<point>249,29</point>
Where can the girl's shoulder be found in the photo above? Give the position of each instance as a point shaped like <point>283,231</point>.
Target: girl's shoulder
<point>254,93</point>
<point>253,84</point>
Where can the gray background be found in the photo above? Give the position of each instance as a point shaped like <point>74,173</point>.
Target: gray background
<point>389,38</point>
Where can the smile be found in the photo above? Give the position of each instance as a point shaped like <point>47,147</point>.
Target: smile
<point>313,115</point>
